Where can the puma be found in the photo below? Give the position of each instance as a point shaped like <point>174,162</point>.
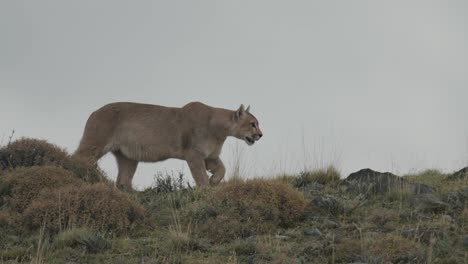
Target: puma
<point>149,133</point>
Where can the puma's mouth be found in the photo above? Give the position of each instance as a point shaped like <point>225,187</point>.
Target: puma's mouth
<point>249,141</point>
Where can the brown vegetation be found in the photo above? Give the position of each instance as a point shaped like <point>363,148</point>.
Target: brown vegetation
<point>242,209</point>
<point>27,152</point>
<point>52,211</point>
<point>21,186</point>
<point>98,206</point>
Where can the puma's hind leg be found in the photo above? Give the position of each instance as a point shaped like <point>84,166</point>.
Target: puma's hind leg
<point>127,168</point>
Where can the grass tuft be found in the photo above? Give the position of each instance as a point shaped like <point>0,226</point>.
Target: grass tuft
<point>329,175</point>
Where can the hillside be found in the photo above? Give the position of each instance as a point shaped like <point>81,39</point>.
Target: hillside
<point>57,209</point>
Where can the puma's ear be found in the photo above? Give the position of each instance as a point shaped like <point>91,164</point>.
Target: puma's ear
<point>248,109</point>
<point>240,111</point>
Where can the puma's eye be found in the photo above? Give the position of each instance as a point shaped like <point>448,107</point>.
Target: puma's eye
<point>253,125</point>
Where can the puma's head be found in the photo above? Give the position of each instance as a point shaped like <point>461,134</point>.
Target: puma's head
<point>246,126</point>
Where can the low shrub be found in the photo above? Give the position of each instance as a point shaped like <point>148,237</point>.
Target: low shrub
<point>21,186</point>
<point>84,169</point>
<point>241,209</point>
<point>98,207</point>
<point>29,152</point>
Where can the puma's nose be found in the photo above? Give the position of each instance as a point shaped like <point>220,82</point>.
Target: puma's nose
<point>260,135</point>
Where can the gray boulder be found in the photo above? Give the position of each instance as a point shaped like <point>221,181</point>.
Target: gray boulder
<point>370,182</point>
<point>428,203</point>
<point>461,174</point>
<point>329,204</point>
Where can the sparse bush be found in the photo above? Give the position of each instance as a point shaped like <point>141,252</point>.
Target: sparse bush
<point>98,206</point>
<point>241,209</point>
<point>322,176</point>
<point>167,183</point>
<point>21,186</point>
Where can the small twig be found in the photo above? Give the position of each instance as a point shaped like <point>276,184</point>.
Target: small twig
<point>11,137</point>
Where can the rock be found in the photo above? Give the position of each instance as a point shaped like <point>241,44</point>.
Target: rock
<point>461,174</point>
<point>465,241</point>
<point>313,232</point>
<point>306,185</point>
<point>458,199</point>
<point>334,237</point>
<point>314,187</point>
<point>447,218</point>
<point>370,182</point>
<point>328,203</point>
<point>419,188</point>
<point>428,203</point>
<point>282,237</point>
<point>331,224</point>
<point>424,234</point>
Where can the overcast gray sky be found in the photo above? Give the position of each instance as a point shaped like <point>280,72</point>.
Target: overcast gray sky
<point>379,84</point>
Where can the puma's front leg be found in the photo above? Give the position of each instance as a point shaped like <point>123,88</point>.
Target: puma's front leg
<point>198,169</point>
<point>216,167</point>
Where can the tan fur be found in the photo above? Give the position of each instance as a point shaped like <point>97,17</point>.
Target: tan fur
<point>150,133</point>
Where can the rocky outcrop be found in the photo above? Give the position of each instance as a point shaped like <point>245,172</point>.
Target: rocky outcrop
<point>370,182</point>
<point>461,174</point>
<point>428,203</point>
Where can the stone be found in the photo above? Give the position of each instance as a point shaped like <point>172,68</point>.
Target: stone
<point>419,188</point>
<point>282,237</point>
<point>328,203</point>
<point>458,199</point>
<point>331,224</point>
<point>370,182</point>
<point>461,174</point>
<point>428,203</point>
<point>465,241</point>
<point>314,232</point>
